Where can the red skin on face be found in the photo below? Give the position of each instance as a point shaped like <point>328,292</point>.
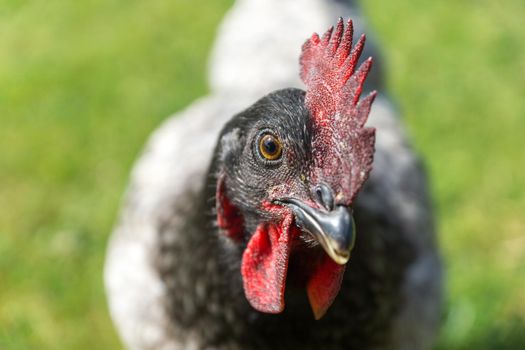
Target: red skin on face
<point>229,220</point>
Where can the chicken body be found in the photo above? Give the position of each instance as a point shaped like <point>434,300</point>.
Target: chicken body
<point>174,284</point>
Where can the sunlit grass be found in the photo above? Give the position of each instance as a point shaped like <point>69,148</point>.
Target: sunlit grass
<point>457,68</point>
<point>83,83</point>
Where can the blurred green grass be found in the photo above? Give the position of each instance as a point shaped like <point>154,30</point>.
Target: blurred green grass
<point>83,83</point>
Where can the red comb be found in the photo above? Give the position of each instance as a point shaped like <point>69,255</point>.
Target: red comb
<point>334,86</point>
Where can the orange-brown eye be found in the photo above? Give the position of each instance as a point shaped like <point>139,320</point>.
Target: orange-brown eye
<point>270,147</point>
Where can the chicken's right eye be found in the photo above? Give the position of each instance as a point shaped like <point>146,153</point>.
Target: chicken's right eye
<point>270,148</point>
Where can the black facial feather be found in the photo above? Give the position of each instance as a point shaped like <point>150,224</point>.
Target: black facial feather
<point>248,175</point>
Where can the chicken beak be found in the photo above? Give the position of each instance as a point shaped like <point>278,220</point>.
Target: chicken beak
<point>333,229</point>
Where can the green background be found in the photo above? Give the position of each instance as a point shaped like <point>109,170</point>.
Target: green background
<point>83,83</point>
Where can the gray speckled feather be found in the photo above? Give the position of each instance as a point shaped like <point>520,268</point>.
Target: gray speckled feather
<point>257,51</point>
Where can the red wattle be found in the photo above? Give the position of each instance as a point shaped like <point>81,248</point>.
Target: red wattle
<point>265,264</point>
<point>324,284</point>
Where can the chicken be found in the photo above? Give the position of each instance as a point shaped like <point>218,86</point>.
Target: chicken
<point>252,225</point>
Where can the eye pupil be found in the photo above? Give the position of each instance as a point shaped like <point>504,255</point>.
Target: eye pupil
<point>270,147</point>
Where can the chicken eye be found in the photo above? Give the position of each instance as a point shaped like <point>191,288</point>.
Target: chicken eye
<point>270,147</point>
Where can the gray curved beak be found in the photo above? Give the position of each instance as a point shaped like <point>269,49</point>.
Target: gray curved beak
<point>333,229</point>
